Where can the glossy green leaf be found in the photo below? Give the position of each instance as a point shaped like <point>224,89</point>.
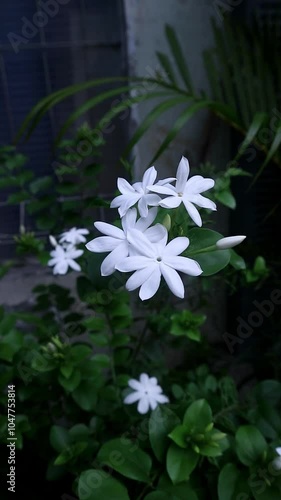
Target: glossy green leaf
<point>180,463</point>
<point>161,422</point>
<point>96,484</point>
<point>250,445</point>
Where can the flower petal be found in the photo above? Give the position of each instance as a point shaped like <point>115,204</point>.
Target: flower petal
<point>176,246</point>
<point>61,267</point>
<point>202,201</point>
<point>110,230</point>
<point>129,219</point>
<point>142,206</point>
<point>144,222</point>
<point>161,398</point>
<point>73,265</point>
<point>193,212</point>
<point>171,202</point>
<point>132,398</point>
<point>134,263</point>
<point>143,405</point>
<point>173,280</point>
<point>144,379</point>
<point>156,233</point>
<point>124,186</point>
<point>170,191</point>
<point>182,174</point>
<point>184,265</point>
<point>199,184</point>
<point>128,203</point>
<point>151,285</point>
<point>139,277</point>
<point>135,384</point>
<point>118,254</point>
<point>149,177</point>
<point>141,243</point>
<point>103,244</point>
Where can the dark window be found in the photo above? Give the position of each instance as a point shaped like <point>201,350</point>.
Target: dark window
<point>80,40</point>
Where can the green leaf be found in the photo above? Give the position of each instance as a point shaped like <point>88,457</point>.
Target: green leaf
<point>95,484</point>
<point>158,495</point>
<point>72,451</point>
<point>59,438</point>
<point>85,395</point>
<point>258,121</point>
<point>198,417</point>
<point>79,432</point>
<point>226,198</point>
<point>237,261</point>
<point>213,261</point>
<point>179,57</point>
<point>250,445</point>
<point>162,421</point>
<point>70,383</point>
<point>272,151</point>
<point>41,184</point>
<point>79,352</point>
<point>10,344</point>
<point>179,435</point>
<point>167,67</point>
<point>232,483</point>
<point>126,458</point>
<point>102,360</point>
<point>180,463</point>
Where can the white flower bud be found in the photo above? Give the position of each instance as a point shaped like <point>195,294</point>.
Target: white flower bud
<point>229,242</point>
<point>53,241</point>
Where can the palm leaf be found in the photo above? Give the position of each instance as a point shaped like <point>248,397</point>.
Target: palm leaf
<point>257,123</point>
<point>167,67</point>
<point>179,58</point>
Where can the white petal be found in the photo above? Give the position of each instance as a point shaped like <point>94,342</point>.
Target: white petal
<point>73,253</point>
<point>152,402</point>
<point>278,450</point>
<point>193,212</point>
<point>184,265</point>
<point>171,202</point>
<point>135,384</point>
<point>61,267</point>
<point>128,203</point>
<point>202,201</point>
<point>74,265</point>
<point>142,206</point>
<point>142,244</point>
<point>110,230</point>
<point>165,181</point>
<point>144,378</point>
<point>143,405</point>
<point>170,191</point>
<point>132,398</point>
<point>144,222</point>
<point>173,280</point>
<point>176,246</point>
<point>161,398</point>
<point>149,177</point>
<point>139,277</point>
<point>151,285</point>
<point>118,254</point>
<point>134,263</point>
<point>83,231</point>
<point>129,220</point>
<point>103,244</point>
<point>182,174</point>
<point>52,262</point>
<point>156,233</point>
<point>124,186</point>
<point>199,184</point>
<point>152,199</point>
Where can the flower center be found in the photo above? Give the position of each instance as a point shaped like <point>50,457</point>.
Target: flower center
<point>180,194</point>
<point>159,259</point>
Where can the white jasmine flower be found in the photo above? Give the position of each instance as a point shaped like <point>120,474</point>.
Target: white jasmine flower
<point>186,191</point>
<point>138,193</point>
<point>63,258</point>
<point>147,392</point>
<point>115,240</point>
<point>154,260</point>
<point>74,236</point>
<point>229,242</point>
<point>277,460</point>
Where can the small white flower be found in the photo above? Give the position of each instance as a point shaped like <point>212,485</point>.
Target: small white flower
<point>63,258</point>
<point>116,241</point>
<point>277,460</point>
<point>74,236</point>
<point>153,260</point>
<point>186,191</point>
<point>147,392</point>
<point>229,242</point>
<point>138,193</point>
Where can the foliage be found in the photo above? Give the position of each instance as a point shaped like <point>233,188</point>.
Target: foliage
<point>244,91</point>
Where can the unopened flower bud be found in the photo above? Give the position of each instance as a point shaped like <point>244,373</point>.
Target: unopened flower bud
<point>53,241</point>
<point>229,242</point>
<point>167,222</point>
